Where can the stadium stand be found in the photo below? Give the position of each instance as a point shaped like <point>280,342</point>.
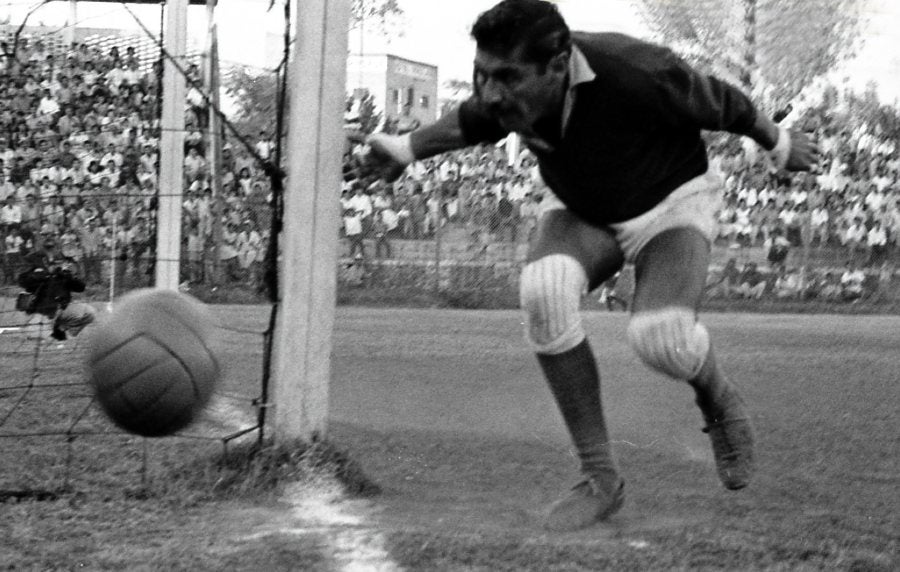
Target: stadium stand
<point>79,133</point>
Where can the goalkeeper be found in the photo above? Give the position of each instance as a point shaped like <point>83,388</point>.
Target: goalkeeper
<point>615,124</point>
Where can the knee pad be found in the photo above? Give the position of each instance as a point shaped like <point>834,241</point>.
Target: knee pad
<point>550,291</point>
<point>670,341</point>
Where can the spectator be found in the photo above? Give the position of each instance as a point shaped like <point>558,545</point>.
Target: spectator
<point>751,282</point>
<point>883,286</point>
<point>380,231</point>
<point>741,229</point>
<point>245,181</point>
<point>194,164</point>
<point>250,251</point>
<point>353,230</point>
<point>418,215</point>
<point>827,286</point>
<point>48,106</point>
<point>404,220</point>
<point>876,241</point>
<point>362,204</point>
<point>194,251</point>
<point>11,215</point>
<point>31,213</point>
<point>506,224</point>
<point>264,145</point>
<point>228,252</point>
<point>852,281</point>
<point>854,238</point>
<point>819,225</point>
<point>139,246</point>
<point>777,248</point>
<point>90,238</point>
<point>788,284</point>
<point>434,217</point>
<point>727,281</point>
<point>529,212</point>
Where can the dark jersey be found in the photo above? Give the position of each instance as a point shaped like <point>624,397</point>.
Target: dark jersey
<point>634,133</point>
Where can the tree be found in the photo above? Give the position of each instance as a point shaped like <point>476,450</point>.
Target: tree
<point>772,47</point>
<point>459,90</point>
<point>383,15</point>
<point>255,96</point>
<point>459,87</point>
<point>362,113</point>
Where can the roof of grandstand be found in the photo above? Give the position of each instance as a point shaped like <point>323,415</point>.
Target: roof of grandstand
<point>146,48</point>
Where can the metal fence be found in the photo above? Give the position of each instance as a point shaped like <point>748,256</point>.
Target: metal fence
<point>469,263</point>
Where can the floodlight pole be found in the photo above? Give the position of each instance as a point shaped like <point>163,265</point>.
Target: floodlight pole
<point>171,150</point>
<point>303,333</point>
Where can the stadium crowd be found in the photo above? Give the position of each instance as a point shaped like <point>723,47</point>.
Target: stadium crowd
<point>850,206</point>
<point>79,138</point>
<point>853,200</point>
<point>79,141</point>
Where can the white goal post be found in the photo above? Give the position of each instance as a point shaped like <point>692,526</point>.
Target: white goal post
<point>171,150</point>
<point>302,340</point>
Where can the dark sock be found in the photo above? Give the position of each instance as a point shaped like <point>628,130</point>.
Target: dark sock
<point>575,382</point>
<point>711,388</point>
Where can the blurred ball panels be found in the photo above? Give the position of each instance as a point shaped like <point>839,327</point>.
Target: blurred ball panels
<point>151,361</point>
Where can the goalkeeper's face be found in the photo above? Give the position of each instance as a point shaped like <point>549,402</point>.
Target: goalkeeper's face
<point>519,94</point>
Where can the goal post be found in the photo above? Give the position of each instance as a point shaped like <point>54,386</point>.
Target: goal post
<point>171,150</point>
<point>302,340</point>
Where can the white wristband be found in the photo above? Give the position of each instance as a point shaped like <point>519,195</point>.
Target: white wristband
<point>400,147</point>
<point>780,154</point>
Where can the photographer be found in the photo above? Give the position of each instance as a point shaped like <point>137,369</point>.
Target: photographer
<point>49,281</point>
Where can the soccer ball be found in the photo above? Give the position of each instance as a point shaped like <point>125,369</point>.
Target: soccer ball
<point>152,361</point>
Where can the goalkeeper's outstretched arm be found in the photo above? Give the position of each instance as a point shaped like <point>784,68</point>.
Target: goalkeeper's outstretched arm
<point>389,155</point>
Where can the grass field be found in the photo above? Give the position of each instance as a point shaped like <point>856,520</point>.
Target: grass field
<point>446,411</point>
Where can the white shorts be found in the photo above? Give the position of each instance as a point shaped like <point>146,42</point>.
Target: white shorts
<point>695,204</point>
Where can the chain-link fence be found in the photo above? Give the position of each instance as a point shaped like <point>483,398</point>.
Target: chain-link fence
<point>471,266</point>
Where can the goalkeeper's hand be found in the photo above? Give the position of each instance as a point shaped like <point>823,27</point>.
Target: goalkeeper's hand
<point>794,151</point>
<point>388,155</point>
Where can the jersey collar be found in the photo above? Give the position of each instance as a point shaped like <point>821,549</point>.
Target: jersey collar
<point>580,72</point>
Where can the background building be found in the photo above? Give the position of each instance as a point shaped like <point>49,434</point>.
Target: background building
<point>406,91</point>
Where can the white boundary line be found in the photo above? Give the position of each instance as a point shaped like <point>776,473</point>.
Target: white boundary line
<point>353,545</point>
<point>320,507</point>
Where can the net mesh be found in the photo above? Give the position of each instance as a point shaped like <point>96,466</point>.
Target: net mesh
<point>87,207</point>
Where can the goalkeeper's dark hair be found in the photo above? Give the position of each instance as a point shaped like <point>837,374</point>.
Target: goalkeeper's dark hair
<point>535,26</point>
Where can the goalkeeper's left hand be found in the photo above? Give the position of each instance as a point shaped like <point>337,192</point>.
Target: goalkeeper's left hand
<point>388,155</point>
<point>794,151</point>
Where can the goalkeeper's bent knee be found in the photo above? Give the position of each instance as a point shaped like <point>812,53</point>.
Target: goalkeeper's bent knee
<point>550,291</point>
<point>670,340</point>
